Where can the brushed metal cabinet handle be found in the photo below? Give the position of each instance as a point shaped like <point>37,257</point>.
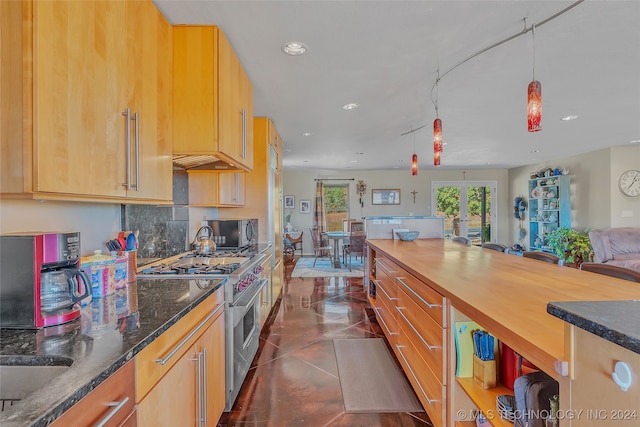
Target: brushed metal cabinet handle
<point>430,347</point>
<point>127,114</point>
<point>136,119</point>
<point>117,406</point>
<point>429,401</point>
<point>418,296</point>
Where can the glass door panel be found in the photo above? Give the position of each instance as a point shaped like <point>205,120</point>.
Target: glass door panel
<point>467,209</point>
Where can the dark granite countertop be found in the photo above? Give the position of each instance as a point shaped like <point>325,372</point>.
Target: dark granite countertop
<point>110,332</point>
<point>615,321</point>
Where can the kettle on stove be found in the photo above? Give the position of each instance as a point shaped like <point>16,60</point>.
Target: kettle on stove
<point>204,245</point>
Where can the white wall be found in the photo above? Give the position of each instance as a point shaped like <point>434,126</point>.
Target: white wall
<point>622,159</point>
<point>596,201</point>
<point>301,185</point>
<point>96,222</point>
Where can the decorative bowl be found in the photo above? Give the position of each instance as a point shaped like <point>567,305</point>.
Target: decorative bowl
<point>407,235</point>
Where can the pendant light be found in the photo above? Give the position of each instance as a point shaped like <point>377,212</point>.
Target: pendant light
<point>437,131</point>
<point>534,95</point>
<point>414,158</point>
<point>437,141</point>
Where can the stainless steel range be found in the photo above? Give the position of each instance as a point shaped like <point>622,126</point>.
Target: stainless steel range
<point>242,307</point>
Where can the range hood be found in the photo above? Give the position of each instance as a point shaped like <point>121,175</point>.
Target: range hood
<point>202,162</point>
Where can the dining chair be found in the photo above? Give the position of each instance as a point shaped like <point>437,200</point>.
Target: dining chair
<point>320,249</point>
<point>354,226</point>
<point>296,242</point>
<point>355,247</point>
<point>541,256</point>
<point>611,270</point>
<point>494,246</point>
<point>461,239</point>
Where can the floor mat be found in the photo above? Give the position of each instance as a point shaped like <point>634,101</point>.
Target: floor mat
<point>324,268</point>
<point>370,379</point>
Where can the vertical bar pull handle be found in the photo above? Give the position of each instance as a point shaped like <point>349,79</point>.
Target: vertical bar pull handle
<point>136,119</point>
<point>204,385</point>
<point>244,133</point>
<point>127,114</point>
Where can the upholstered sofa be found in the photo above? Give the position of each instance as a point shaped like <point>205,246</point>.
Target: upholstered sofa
<point>617,246</point>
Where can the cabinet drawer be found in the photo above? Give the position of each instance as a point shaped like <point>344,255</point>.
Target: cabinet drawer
<point>386,318</point>
<point>431,393</point>
<point>172,344</point>
<point>430,301</point>
<point>112,401</point>
<point>387,267</point>
<point>423,332</point>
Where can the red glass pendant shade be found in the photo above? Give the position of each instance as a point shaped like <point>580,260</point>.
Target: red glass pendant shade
<point>437,141</point>
<point>534,106</point>
<point>414,164</point>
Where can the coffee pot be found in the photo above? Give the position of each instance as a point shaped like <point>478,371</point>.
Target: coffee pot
<point>62,288</point>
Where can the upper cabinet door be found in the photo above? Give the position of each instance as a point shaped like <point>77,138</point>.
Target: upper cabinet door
<point>212,97</point>
<point>79,65</point>
<point>83,64</point>
<point>149,91</point>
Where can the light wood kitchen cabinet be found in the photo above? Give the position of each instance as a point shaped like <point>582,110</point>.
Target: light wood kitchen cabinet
<point>207,188</point>
<point>111,403</point>
<point>231,188</point>
<point>594,394</point>
<point>213,98</point>
<point>180,377</point>
<point>412,317</point>
<point>81,65</point>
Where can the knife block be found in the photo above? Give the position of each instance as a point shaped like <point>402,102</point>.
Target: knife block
<point>484,372</point>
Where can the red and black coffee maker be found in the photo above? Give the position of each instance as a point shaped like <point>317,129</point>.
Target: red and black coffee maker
<point>41,283</point>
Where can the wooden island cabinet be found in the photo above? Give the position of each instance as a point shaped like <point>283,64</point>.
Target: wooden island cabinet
<point>423,287</point>
<point>87,113</point>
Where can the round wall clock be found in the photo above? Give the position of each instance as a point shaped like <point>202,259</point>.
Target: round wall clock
<point>630,183</point>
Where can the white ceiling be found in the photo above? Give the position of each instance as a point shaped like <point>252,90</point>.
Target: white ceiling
<point>385,56</point>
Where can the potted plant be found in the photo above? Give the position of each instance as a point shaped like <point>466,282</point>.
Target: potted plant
<point>573,246</point>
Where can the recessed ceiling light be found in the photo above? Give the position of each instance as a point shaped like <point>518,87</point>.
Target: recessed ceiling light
<point>567,118</point>
<point>351,106</point>
<point>305,161</point>
<point>294,48</point>
<point>633,141</point>
<point>534,151</point>
<point>353,161</point>
<point>306,134</point>
<point>359,154</point>
<point>287,150</point>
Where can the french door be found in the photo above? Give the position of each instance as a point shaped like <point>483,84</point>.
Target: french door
<point>468,208</point>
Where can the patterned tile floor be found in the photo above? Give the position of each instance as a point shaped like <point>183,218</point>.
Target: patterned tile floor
<point>294,380</point>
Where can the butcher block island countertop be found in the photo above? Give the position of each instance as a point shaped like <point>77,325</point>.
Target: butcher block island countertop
<point>506,294</point>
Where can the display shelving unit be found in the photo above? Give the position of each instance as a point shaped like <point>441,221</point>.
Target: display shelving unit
<point>549,208</point>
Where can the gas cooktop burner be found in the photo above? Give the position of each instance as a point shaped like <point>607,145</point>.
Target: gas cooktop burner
<point>222,253</point>
<point>194,268</point>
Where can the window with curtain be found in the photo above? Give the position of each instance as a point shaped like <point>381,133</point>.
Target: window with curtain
<point>336,205</point>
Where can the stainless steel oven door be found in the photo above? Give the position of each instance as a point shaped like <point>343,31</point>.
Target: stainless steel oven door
<point>244,318</point>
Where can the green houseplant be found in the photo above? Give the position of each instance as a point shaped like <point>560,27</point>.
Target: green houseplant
<point>571,245</point>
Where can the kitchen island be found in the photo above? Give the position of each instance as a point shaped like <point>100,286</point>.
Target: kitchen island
<point>110,333</point>
<point>504,294</point>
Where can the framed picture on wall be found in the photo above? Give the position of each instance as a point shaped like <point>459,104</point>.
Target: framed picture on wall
<point>385,197</point>
<point>305,206</point>
<point>289,202</point>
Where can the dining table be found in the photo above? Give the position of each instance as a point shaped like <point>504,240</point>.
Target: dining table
<point>336,236</point>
